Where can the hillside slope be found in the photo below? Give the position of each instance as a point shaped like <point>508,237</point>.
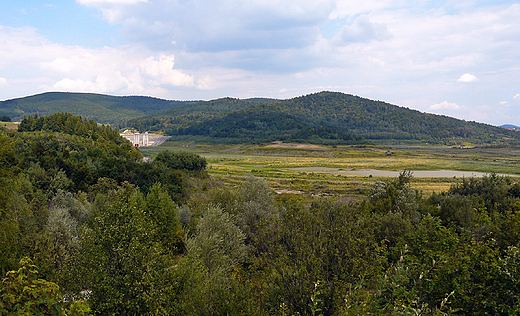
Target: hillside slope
<point>98,107</point>
<point>328,116</point>
<point>192,113</point>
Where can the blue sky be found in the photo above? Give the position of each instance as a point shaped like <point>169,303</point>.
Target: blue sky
<point>456,58</point>
<point>64,22</point>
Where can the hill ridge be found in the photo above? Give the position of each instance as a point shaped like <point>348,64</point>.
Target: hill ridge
<point>320,117</point>
<point>335,117</point>
<point>102,108</point>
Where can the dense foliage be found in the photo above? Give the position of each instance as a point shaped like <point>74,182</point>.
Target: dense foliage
<point>112,235</point>
<point>53,169</point>
<point>23,293</point>
<point>69,124</point>
<point>261,124</point>
<point>190,113</point>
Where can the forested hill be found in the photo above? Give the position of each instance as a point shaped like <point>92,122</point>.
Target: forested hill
<point>101,108</point>
<point>192,113</point>
<point>325,117</point>
<point>379,120</point>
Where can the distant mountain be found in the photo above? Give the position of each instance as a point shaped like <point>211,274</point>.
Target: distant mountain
<point>98,107</point>
<point>510,126</point>
<point>325,117</point>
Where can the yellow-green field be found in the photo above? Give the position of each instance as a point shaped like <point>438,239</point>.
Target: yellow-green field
<point>319,170</point>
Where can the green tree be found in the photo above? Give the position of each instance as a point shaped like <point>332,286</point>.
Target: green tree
<point>160,208</point>
<point>120,258</point>
<point>217,255</point>
<point>23,293</point>
<point>218,243</point>
<point>256,213</point>
<point>181,160</point>
<point>326,242</point>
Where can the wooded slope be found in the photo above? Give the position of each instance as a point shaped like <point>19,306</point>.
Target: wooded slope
<point>325,117</point>
<point>101,108</point>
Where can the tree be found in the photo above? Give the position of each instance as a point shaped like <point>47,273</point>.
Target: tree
<point>23,293</point>
<point>256,213</point>
<point>163,212</point>
<point>219,243</point>
<point>121,258</point>
<point>217,255</point>
<point>181,160</point>
<point>327,243</point>
<point>59,241</point>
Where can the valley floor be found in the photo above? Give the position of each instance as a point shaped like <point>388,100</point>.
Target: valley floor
<point>348,170</point>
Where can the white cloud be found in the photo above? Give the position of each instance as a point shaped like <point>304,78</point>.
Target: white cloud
<point>101,84</point>
<point>3,82</point>
<point>34,62</point>
<point>109,70</point>
<point>467,78</point>
<point>161,71</point>
<point>285,36</point>
<point>445,105</point>
<point>206,83</point>
<point>363,30</point>
<point>517,96</point>
<point>64,65</point>
<point>121,73</point>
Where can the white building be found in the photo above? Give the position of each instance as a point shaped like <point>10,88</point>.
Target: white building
<point>136,139</point>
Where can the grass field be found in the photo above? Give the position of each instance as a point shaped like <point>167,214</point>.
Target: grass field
<point>9,125</point>
<point>315,170</point>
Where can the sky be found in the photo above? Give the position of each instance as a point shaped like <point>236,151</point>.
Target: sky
<point>459,58</point>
